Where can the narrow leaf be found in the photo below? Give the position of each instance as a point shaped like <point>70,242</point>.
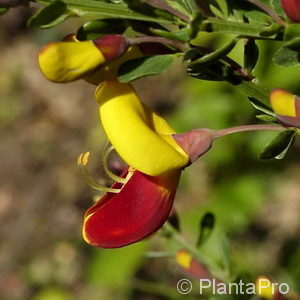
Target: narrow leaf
<point>207,224</point>
<point>144,66</point>
<point>93,29</point>
<point>224,7</point>
<point>261,107</point>
<point>256,90</point>
<point>279,146</point>
<point>244,29</point>
<point>50,15</point>
<point>251,54</point>
<point>216,11</point>
<point>99,9</point>
<point>266,118</point>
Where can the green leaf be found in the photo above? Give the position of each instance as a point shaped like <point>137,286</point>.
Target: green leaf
<point>93,29</point>
<point>207,224</point>
<point>259,105</point>
<point>50,15</point>
<point>256,90</point>
<point>151,8</point>
<point>279,146</point>
<point>144,66</point>
<point>266,118</point>
<point>277,7</point>
<point>285,57</point>
<point>291,32</point>
<point>271,30</point>
<point>293,44</point>
<point>96,9</point>
<point>189,5</point>
<point>217,54</point>
<point>3,10</point>
<point>217,12</point>
<point>244,29</point>
<point>224,7</point>
<point>251,54</point>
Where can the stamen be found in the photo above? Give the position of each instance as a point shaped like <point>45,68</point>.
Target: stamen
<point>113,176</point>
<point>82,162</point>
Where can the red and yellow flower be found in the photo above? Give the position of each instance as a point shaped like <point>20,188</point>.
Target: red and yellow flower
<point>144,140</point>
<point>140,200</point>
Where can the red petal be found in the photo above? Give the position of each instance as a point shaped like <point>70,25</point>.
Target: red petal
<point>138,210</point>
<point>292,9</point>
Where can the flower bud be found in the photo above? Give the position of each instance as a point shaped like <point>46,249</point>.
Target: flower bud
<point>195,142</point>
<point>111,46</point>
<point>292,9</point>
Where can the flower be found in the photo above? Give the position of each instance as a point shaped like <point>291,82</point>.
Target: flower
<point>286,107</point>
<point>70,59</point>
<point>144,140</point>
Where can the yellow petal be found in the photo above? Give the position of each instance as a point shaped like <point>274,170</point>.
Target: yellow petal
<point>109,70</point>
<point>184,259</point>
<point>141,137</point>
<point>283,103</point>
<point>68,61</point>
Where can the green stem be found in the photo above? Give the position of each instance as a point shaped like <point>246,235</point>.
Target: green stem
<point>205,260</point>
<point>156,39</point>
<point>219,53</point>
<point>255,127</point>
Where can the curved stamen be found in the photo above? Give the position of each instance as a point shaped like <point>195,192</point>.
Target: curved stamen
<point>82,162</point>
<point>107,151</point>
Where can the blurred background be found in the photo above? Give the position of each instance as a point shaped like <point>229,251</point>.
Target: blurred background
<point>45,126</point>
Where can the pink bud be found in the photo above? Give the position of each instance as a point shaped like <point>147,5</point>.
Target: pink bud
<point>292,9</point>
